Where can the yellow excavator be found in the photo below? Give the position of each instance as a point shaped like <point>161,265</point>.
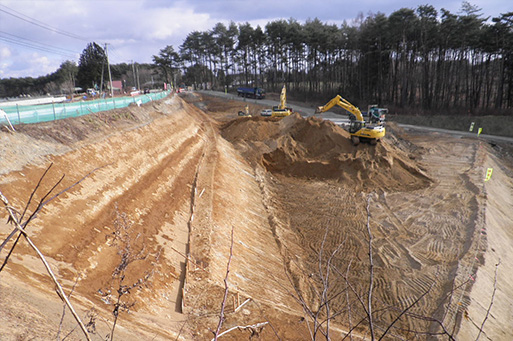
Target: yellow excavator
<point>282,110</point>
<point>246,113</point>
<point>360,130</point>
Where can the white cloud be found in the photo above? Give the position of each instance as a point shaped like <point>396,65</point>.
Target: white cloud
<point>5,52</point>
<point>27,64</point>
<point>138,29</point>
<point>173,22</point>
<point>43,64</point>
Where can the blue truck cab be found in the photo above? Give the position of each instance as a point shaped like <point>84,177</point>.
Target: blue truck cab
<point>257,93</point>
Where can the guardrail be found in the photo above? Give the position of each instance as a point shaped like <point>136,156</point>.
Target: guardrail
<point>50,112</point>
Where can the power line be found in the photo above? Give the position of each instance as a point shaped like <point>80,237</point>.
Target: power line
<point>41,24</point>
<point>38,43</point>
<point>32,46</point>
<point>113,52</point>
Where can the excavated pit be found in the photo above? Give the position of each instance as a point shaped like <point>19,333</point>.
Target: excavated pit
<point>317,149</point>
<point>294,191</point>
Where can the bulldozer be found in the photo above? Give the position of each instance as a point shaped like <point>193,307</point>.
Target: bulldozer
<point>360,130</point>
<point>282,110</point>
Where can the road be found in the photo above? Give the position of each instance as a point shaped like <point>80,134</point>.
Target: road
<point>337,119</point>
<point>303,111</point>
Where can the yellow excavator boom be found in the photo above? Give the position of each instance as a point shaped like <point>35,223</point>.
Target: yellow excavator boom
<point>282,110</point>
<point>344,103</point>
<point>283,98</point>
<point>358,128</point>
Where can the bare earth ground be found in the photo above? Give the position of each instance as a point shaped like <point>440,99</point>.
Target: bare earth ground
<point>186,173</point>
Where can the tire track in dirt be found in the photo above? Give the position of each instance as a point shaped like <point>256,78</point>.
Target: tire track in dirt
<point>436,226</point>
<point>421,237</point>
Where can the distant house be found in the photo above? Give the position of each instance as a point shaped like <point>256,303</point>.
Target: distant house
<point>117,87</point>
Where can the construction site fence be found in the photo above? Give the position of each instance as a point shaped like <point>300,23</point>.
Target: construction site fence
<point>50,112</point>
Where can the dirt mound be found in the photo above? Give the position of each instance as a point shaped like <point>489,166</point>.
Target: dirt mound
<point>251,129</point>
<point>318,149</point>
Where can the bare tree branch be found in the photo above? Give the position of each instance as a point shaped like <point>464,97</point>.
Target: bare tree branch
<point>123,241</point>
<point>267,319</point>
<point>255,329</point>
<point>47,266</point>
<point>20,219</point>
<point>371,271</point>
<point>223,304</point>
<point>64,309</point>
<point>41,204</point>
<point>491,301</point>
<point>405,311</point>
<point>347,300</point>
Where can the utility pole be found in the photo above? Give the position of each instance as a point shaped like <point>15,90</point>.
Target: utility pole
<point>138,83</point>
<point>101,82</point>
<point>133,71</point>
<point>108,67</point>
<point>72,86</point>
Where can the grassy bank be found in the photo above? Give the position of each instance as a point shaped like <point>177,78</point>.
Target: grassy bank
<point>492,125</point>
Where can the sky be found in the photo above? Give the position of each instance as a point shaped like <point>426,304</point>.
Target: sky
<point>36,36</point>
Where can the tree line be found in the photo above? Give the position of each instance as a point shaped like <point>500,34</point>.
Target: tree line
<point>413,58</point>
<point>91,72</point>
<point>421,59</point>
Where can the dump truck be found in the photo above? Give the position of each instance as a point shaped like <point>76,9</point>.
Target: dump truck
<point>257,93</point>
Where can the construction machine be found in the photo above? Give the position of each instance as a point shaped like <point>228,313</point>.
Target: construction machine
<point>360,130</point>
<point>257,93</point>
<point>376,114</point>
<point>245,113</point>
<point>282,110</point>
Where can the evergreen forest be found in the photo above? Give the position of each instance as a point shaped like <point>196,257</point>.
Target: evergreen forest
<point>415,58</point>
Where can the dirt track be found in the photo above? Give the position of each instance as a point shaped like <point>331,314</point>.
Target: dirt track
<point>294,191</point>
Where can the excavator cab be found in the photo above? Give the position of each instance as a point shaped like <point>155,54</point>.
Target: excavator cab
<point>376,114</point>
<point>354,126</point>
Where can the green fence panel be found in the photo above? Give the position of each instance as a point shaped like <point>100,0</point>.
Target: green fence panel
<point>56,111</point>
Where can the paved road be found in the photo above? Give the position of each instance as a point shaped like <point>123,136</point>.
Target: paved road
<point>341,120</point>
<point>303,111</point>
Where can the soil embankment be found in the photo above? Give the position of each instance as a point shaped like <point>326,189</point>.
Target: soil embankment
<point>133,207</point>
<point>175,191</point>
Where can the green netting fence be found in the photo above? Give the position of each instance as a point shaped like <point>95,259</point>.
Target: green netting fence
<point>49,112</point>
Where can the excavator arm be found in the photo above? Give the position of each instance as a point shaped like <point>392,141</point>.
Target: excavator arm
<point>283,98</point>
<point>282,110</point>
<point>344,103</point>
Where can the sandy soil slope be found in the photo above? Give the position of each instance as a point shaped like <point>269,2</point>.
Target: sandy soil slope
<point>145,173</point>
<point>491,298</point>
<point>183,186</point>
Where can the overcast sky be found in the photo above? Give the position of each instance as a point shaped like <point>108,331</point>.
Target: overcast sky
<point>137,29</point>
